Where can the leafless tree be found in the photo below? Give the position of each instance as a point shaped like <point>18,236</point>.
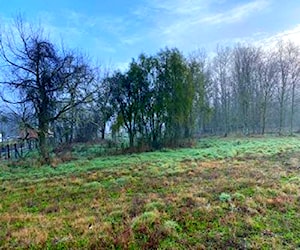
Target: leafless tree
<point>52,80</point>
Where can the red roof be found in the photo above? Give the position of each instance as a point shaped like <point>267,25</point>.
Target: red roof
<point>28,133</point>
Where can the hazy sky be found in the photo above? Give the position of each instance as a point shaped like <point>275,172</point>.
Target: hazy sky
<point>114,31</point>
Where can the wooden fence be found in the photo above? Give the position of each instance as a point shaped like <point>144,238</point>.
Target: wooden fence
<point>16,150</point>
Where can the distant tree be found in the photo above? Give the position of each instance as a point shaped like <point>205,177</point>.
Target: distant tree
<point>267,76</point>
<point>151,104</point>
<point>292,57</point>
<point>177,92</point>
<point>3,122</point>
<point>102,106</point>
<point>124,104</point>
<point>52,80</point>
<point>154,99</point>
<point>201,79</point>
<point>246,86</point>
<point>221,74</point>
<point>128,91</point>
<point>288,56</point>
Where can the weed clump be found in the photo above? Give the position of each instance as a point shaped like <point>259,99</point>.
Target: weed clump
<point>224,197</point>
<point>150,230</point>
<point>238,196</point>
<point>156,205</point>
<point>147,229</point>
<point>171,228</point>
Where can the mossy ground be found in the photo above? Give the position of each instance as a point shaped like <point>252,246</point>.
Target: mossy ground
<point>221,194</point>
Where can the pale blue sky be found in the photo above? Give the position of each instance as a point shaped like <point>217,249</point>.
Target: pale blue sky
<point>115,31</point>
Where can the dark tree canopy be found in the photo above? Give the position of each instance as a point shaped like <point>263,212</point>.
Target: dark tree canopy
<point>154,99</point>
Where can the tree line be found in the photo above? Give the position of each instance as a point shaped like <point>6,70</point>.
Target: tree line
<point>256,89</point>
<point>160,100</point>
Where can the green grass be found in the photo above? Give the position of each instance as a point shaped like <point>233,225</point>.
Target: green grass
<point>206,149</point>
<point>221,194</point>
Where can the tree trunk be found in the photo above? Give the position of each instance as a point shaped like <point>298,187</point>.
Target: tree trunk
<point>263,115</point>
<point>263,126</point>
<point>292,109</point>
<point>131,139</point>
<point>281,118</point>
<point>43,146</point>
<point>103,130</point>
<point>281,110</point>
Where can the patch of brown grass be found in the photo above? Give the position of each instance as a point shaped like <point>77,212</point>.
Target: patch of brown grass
<point>139,213</point>
<point>30,236</point>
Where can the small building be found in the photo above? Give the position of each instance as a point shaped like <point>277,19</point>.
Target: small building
<point>28,134</point>
<point>30,137</point>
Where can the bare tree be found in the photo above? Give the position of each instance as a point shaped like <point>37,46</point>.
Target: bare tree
<point>222,79</point>
<point>44,76</point>
<point>246,87</point>
<point>288,56</point>
<point>267,73</point>
<point>203,87</point>
<point>293,59</point>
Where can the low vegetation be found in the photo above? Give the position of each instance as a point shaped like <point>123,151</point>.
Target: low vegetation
<point>224,193</point>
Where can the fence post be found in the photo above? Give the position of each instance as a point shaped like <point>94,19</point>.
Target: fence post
<point>16,151</point>
<point>8,152</point>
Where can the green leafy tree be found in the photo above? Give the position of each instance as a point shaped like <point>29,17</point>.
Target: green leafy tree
<point>176,94</point>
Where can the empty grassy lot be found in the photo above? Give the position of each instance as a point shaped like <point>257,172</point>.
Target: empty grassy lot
<point>239,193</point>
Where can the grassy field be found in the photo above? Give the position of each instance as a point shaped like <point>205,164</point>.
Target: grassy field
<point>239,193</point>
